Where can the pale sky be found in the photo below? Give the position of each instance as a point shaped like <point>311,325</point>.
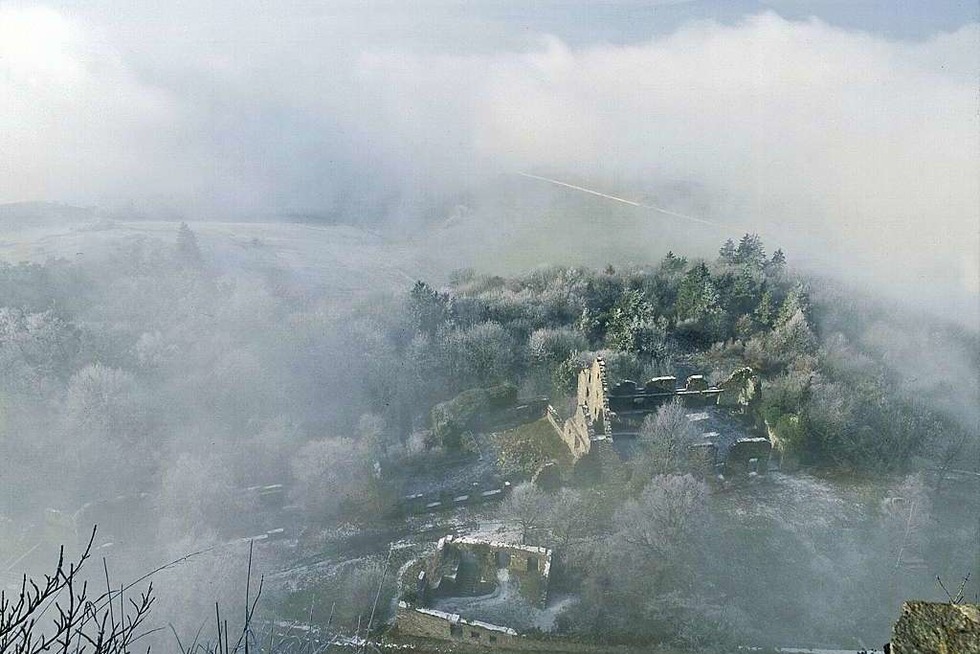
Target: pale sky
<point>852,121</point>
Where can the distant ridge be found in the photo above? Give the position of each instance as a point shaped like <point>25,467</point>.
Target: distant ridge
<point>38,213</point>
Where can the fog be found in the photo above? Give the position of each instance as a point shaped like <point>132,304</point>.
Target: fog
<point>857,141</point>
<point>212,218</point>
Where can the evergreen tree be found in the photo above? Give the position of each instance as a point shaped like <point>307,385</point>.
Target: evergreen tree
<point>727,252</point>
<point>634,328</point>
<point>697,296</point>
<point>778,261</point>
<point>744,292</point>
<point>673,263</point>
<point>750,251</point>
<point>765,313</point>
<point>187,248</point>
<point>796,300</point>
<point>428,308</point>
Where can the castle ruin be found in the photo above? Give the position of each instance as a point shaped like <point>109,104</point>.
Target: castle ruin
<point>470,567</point>
<point>605,411</point>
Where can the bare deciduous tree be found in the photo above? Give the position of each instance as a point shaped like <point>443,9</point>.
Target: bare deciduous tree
<point>105,624</point>
<point>327,472</point>
<point>667,518</point>
<point>666,437</point>
<point>525,508</point>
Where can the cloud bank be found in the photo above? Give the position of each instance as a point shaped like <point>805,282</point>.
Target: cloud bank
<point>818,135</point>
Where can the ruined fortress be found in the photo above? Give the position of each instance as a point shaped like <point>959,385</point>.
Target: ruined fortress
<point>473,567</point>
<point>605,411</point>
<point>470,567</point>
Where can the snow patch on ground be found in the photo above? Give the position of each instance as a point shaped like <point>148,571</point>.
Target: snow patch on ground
<point>494,530</point>
<point>505,606</point>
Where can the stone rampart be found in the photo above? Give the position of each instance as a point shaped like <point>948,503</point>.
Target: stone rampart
<point>530,564</point>
<point>747,456</point>
<point>459,634</point>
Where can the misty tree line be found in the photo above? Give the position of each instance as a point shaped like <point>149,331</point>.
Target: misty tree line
<point>650,559</point>
<point>655,556</point>
<point>145,390</point>
<point>154,369</point>
<point>832,398</point>
<point>150,370</point>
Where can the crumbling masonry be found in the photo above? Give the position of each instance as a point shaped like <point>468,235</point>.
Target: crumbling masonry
<point>605,411</point>
<point>468,566</point>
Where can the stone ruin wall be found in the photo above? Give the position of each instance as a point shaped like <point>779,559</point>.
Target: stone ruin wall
<point>593,395</point>
<point>426,623</point>
<point>742,391</point>
<point>627,399</point>
<point>592,419</point>
<point>601,410</point>
<point>748,456</point>
<point>577,432</point>
<point>461,634</point>
<point>519,556</point>
<point>531,564</point>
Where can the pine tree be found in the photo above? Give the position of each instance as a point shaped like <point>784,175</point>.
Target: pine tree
<point>777,263</point>
<point>727,252</point>
<point>766,311</point>
<point>750,251</point>
<point>697,296</point>
<point>796,300</point>
<point>428,308</point>
<point>187,249</point>
<point>673,263</point>
<point>632,325</point>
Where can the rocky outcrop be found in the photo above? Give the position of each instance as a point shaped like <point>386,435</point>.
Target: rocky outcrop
<point>936,628</point>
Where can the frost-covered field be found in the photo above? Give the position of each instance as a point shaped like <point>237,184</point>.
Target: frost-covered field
<point>341,259</point>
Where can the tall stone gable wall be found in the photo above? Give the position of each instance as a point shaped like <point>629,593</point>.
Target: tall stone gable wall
<point>458,634</point>
<point>593,391</point>
<point>576,432</point>
<point>743,390</point>
<point>592,418</point>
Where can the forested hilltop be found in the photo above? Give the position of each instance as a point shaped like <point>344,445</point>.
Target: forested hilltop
<point>162,384</point>
<point>125,361</point>
<point>844,387</point>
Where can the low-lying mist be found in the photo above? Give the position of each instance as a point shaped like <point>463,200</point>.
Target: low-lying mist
<point>154,384</point>
<point>368,115</point>
<point>213,226</point>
